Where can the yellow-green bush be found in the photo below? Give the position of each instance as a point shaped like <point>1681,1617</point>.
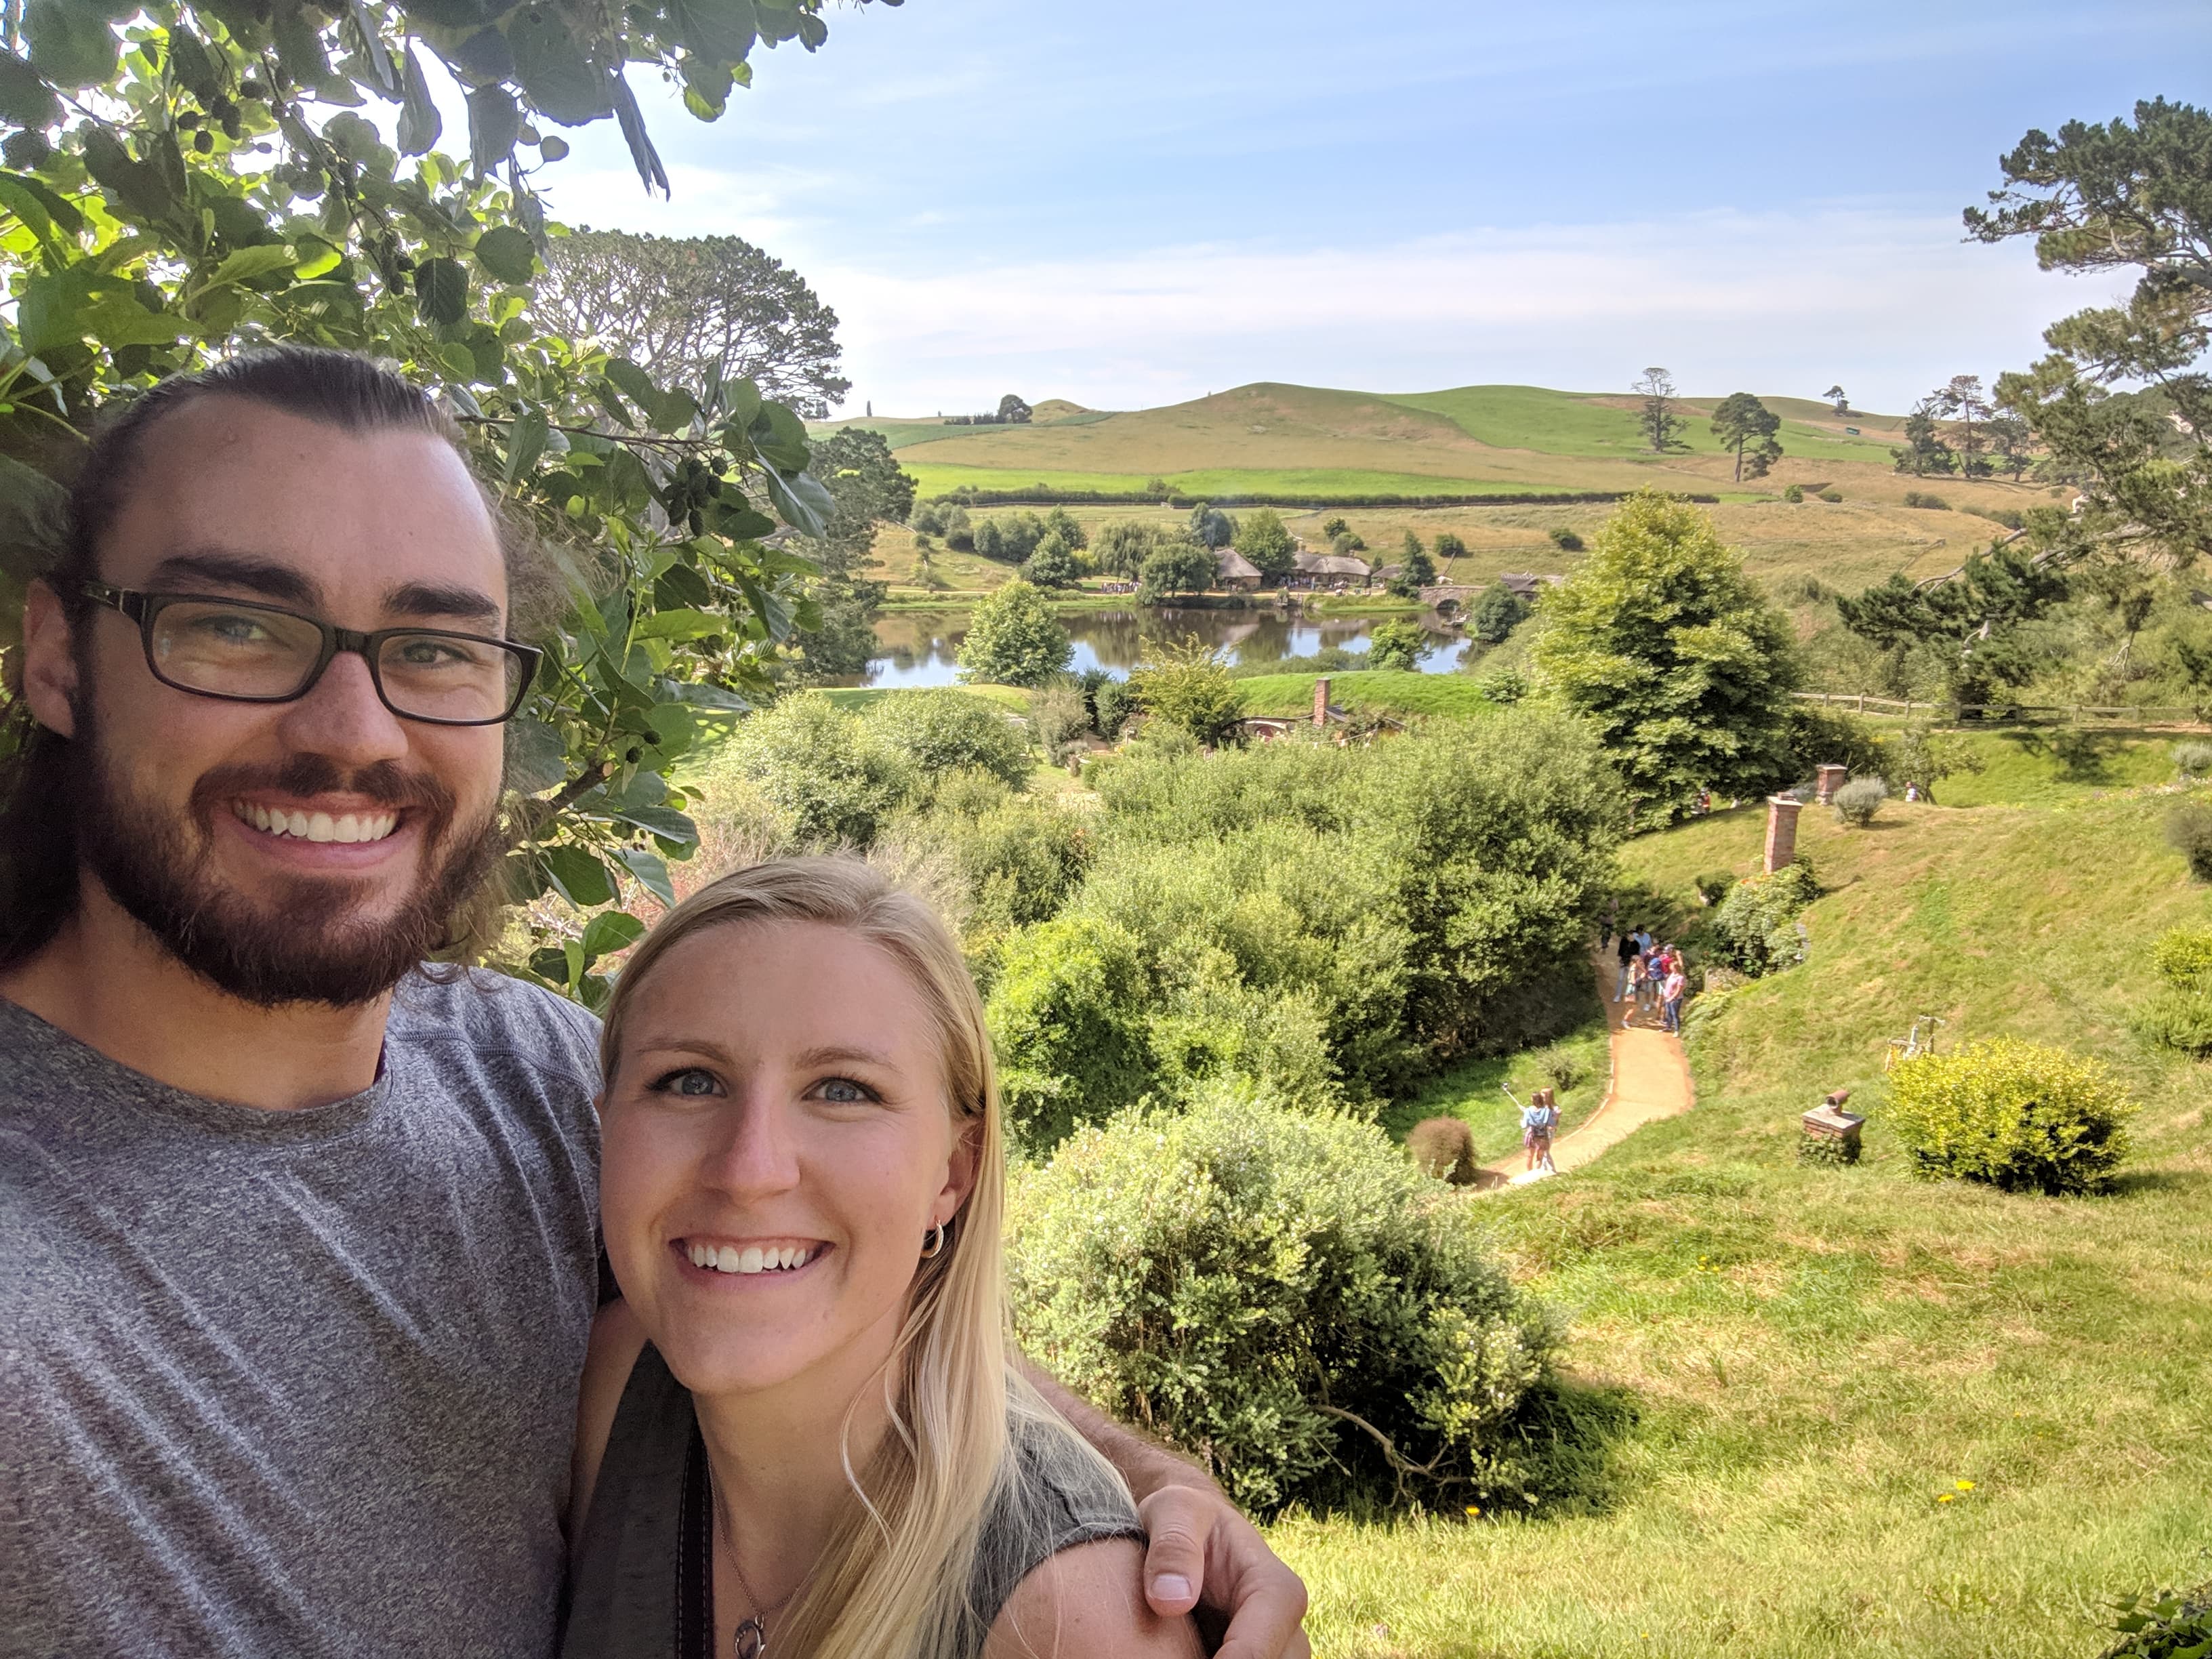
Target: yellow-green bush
<point>2023,1116</point>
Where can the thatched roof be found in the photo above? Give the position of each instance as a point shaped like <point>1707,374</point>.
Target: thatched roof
<point>1331,564</point>
<point>1235,567</point>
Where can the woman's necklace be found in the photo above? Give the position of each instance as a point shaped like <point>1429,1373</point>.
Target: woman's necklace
<point>750,1641</point>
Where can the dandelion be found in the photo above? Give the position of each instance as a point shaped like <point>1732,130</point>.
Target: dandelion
<point>1962,1486</point>
<point>1944,1498</point>
<point>1474,1508</point>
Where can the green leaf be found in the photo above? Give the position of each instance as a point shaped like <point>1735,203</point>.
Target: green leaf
<point>805,506</point>
<point>562,82</point>
<point>526,442</point>
<point>380,60</point>
<point>553,148</point>
<point>720,31</point>
<point>506,252</point>
<point>441,290</point>
<point>69,41</point>
<point>681,625</point>
<point>494,123</point>
<point>482,59</point>
<point>34,197</point>
<point>634,383</point>
<point>714,699</point>
<point>742,398</point>
<point>420,123</point>
<point>25,99</point>
<point>248,263</point>
<point>609,931</point>
<point>299,52</point>
<point>674,728</point>
<point>577,875</point>
<point>642,154</point>
<point>152,189</point>
<point>193,67</point>
<point>663,821</point>
<point>651,870</point>
<point>317,258</point>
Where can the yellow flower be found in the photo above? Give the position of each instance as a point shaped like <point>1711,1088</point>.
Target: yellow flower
<point>1944,1498</point>
<point>1964,1486</point>
<point>1474,1508</point>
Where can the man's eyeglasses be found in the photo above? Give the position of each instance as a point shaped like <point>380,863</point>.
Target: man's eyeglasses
<point>243,651</point>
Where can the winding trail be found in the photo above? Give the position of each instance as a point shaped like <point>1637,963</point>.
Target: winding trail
<point>1650,1080</point>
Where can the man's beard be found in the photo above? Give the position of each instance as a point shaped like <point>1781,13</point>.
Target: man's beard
<point>298,941</point>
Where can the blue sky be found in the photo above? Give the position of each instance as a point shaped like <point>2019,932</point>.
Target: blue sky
<point>1128,206</point>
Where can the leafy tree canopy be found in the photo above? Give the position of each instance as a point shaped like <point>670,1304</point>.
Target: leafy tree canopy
<point>868,489</point>
<point>1681,663</point>
<point>1176,567</point>
<point>1188,686</point>
<point>1263,538</point>
<point>1210,527</point>
<point>186,178</point>
<point>1744,424</point>
<point>1013,640</point>
<point>686,307</point>
<point>1654,413</point>
<point>1396,645</point>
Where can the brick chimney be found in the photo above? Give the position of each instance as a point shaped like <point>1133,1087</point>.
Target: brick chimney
<point>1320,701</point>
<point>1827,780</point>
<point>1782,812</point>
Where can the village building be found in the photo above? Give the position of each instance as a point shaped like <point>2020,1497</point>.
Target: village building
<point>1334,571</point>
<point>1238,574</point>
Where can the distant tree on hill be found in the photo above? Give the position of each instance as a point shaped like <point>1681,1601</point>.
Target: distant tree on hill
<point>1747,426</point>
<point>1123,546</point>
<point>1962,399</point>
<point>1450,547</point>
<point>1835,394</point>
<point>1014,409</point>
<point>1264,540</point>
<point>1176,567</point>
<point>1676,656</point>
<point>1925,450</point>
<point>1418,570</point>
<point>1212,527</point>
<point>2013,443</point>
<point>1054,563</point>
<point>1332,528</point>
<point>1661,426</point>
<point>687,307</point>
<point>1061,522</point>
<point>1012,638</point>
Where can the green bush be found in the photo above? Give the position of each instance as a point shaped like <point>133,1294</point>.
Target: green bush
<point>1013,640</point>
<point>1858,801</point>
<point>1755,927</point>
<point>1563,1070</point>
<point>1397,644</point>
<point>1190,687</point>
<point>1058,715</point>
<point>1443,1148</point>
<point>1278,1294</point>
<point>1067,1013</point>
<point>1831,494</point>
<point>1819,737</point>
<point>1113,705</point>
<point>1497,613</point>
<point>1564,539</point>
<point>1713,886</point>
<point>1794,494</point>
<point>1931,503</point>
<point>829,778</point>
<point>944,731</point>
<point>2023,1116</point>
<point>2180,1016</point>
<point>2182,958</point>
<point>2189,831</point>
<point>2192,760</point>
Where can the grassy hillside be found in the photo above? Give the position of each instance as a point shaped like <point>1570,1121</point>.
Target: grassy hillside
<point>1842,1412</point>
<point>1369,690</point>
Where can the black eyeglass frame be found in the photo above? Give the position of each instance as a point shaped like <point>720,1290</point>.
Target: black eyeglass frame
<point>145,609</point>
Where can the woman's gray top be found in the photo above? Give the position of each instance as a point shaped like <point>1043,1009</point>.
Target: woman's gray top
<point>640,1580</point>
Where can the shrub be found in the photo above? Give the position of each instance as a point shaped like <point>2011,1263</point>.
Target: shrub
<point>1857,801</point>
<point>1831,494</point>
<point>2192,760</point>
<point>1053,564</point>
<point>1060,715</point>
<point>2023,1116</point>
<point>1497,613</point>
<point>1397,644</point>
<point>1066,1019</point>
<point>1713,886</point>
<point>1803,590</point>
<point>1794,494</point>
<point>829,778</point>
<point>943,731</point>
<point>1245,1283</point>
<point>1564,539</point>
<point>1188,686</point>
<point>2180,1016</point>
<point>1563,1070</point>
<point>1922,499</point>
<point>1504,686</point>
<point>1755,925</point>
<point>1112,706</point>
<point>1443,1147</point>
<point>2189,831</point>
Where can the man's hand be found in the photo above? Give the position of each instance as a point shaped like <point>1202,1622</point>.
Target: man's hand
<point>1206,1558</point>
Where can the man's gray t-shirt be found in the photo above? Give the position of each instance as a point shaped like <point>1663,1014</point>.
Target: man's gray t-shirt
<point>297,1382</point>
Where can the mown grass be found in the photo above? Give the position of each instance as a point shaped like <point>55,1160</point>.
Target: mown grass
<point>2044,766</point>
<point>1817,1358</point>
<point>1368,690</point>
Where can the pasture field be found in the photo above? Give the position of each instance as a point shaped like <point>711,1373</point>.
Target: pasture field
<point>1828,1413</point>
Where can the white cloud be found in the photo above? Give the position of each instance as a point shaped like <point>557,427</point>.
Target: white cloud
<point>1886,299</point>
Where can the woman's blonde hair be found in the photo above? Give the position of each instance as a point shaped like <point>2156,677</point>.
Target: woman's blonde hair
<point>894,1579</point>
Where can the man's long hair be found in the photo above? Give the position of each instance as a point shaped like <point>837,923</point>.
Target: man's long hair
<point>43,774</point>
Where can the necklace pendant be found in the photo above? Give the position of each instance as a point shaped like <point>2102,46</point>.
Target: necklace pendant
<point>751,1641</point>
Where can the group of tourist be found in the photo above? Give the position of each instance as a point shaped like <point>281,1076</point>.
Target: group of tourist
<point>358,1304</point>
<point>1653,976</point>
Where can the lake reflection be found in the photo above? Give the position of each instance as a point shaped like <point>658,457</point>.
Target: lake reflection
<point>921,647</point>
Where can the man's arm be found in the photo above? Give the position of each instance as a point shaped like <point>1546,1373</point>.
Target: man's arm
<point>1204,1555</point>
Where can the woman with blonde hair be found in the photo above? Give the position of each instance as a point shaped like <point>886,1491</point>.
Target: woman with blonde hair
<point>801,1430</point>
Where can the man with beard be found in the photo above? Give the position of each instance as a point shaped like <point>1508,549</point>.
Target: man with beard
<point>300,1237</point>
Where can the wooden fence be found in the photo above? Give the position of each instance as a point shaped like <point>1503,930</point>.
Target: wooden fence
<point>1859,703</point>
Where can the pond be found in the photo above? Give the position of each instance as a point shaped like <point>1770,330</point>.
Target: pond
<point>921,647</point>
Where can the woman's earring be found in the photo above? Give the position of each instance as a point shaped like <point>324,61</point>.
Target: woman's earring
<point>935,1242</point>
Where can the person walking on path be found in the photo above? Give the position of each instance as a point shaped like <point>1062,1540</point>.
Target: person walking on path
<point>1538,1119</point>
<point>1670,992</point>
<point>1627,953</point>
<point>1647,979</point>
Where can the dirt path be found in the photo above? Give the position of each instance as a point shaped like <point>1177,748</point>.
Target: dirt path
<point>1650,1080</point>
